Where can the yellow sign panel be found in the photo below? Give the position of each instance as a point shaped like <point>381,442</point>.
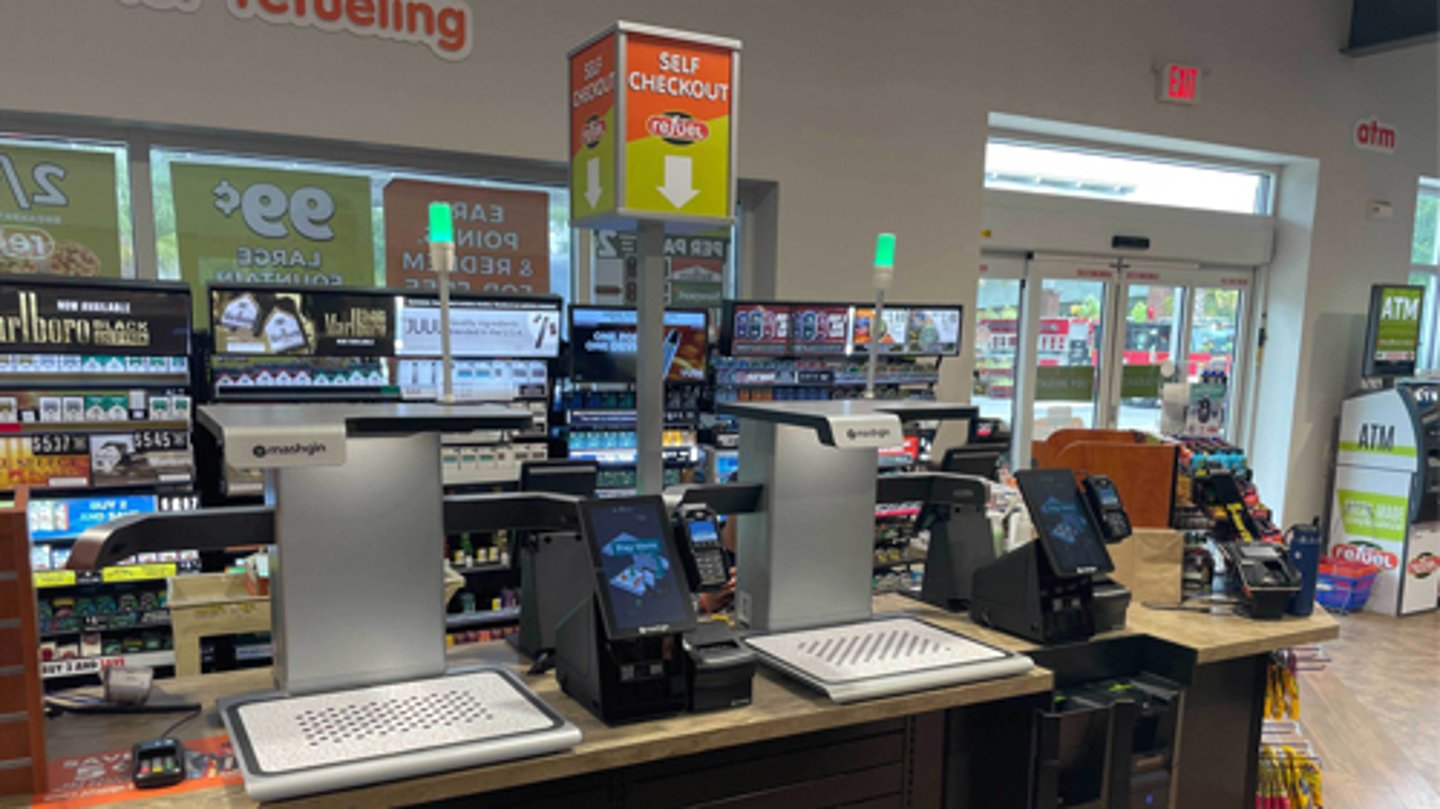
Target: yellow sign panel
<point>163,570</point>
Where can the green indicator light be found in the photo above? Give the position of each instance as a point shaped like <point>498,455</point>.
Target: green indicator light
<point>885,250</point>
<point>442,226</point>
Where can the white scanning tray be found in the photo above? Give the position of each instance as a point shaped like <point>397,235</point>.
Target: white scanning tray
<point>880,658</point>
<point>291,746</point>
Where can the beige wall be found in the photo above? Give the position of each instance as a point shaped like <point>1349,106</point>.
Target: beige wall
<point>870,114</point>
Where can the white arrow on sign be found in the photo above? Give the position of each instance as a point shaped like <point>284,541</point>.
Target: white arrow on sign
<point>592,180</point>
<point>679,186</point>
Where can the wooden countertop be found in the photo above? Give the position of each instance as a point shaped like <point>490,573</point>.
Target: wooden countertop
<point>1217,636</point>
<point>781,708</point>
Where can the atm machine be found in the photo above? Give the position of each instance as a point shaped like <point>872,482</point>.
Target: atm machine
<point>1385,505</point>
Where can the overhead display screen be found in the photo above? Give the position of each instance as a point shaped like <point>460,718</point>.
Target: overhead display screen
<point>493,328</point>
<point>757,329</point>
<point>641,584</point>
<point>40,318</point>
<point>288,322</point>
<point>603,343</point>
<point>764,329</point>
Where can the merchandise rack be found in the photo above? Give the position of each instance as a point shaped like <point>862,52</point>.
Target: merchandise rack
<point>96,400</point>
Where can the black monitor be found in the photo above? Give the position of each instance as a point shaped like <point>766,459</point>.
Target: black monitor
<point>640,579</point>
<point>1067,528</point>
<point>559,476</point>
<point>1392,335</point>
<point>981,462</point>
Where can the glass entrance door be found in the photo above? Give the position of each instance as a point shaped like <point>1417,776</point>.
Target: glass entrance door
<point>1099,341</point>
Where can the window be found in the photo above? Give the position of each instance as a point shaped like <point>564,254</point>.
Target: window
<point>232,218</point>
<point>1040,168</point>
<point>1425,269</point>
<point>997,341</point>
<point>65,208</point>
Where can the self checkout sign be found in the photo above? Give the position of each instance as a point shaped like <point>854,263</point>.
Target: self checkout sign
<point>652,129</point>
<point>1179,84</point>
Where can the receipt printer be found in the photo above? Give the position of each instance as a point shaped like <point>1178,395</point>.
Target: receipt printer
<point>718,668</point>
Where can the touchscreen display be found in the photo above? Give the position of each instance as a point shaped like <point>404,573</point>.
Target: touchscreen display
<point>703,532</point>
<point>642,583</point>
<point>1064,523</point>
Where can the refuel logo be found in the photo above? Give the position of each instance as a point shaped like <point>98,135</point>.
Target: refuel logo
<point>873,432</point>
<point>678,128</point>
<point>1367,554</point>
<point>593,131</point>
<point>1423,565</point>
<point>309,450</point>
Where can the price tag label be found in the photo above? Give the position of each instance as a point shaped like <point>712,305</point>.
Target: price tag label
<point>60,444</point>
<point>250,225</point>
<point>54,578</point>
<point>59,213</point>
<point>151,572</point>
<point>160,439</point>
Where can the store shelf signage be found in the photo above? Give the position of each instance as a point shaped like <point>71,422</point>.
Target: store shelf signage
<point>63,519</point>
<point>250,225</point>
<point>68,319</point>
<point>502,237</point>
<point>59,213</point>
<point>670,157</point>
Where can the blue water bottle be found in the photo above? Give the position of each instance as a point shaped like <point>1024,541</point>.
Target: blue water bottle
<point>1305,553</point>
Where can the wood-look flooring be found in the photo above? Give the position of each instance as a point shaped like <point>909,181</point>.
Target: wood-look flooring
<point>1373,713</point>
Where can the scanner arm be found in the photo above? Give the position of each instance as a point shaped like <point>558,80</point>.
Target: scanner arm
<point>204,530</point>
<point>216,529</point>
<point>524,511</point>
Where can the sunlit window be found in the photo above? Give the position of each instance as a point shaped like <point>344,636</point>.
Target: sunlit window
<point>1067,171</point>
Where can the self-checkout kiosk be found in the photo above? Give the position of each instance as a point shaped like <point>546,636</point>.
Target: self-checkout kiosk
<point>1045,590</point>
<point>358,646</point>
<point>806,554</point>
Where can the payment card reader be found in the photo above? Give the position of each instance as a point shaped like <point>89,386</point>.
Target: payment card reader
<point>703,554</point>
<point>1044,590</point>
<point>1104,500</point>
<point>620,652</point>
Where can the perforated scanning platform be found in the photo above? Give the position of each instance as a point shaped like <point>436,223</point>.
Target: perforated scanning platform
<point>884,657</point>
<point>292,746</point>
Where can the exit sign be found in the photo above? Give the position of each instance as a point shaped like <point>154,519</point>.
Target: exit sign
<point>1180,84</point>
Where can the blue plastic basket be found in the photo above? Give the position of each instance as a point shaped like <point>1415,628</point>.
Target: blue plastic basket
<point>1344,585</point>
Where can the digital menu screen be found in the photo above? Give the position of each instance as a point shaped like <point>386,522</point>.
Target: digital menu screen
<point>819,329</point>
<point>481,328</point>
<point>603,344</point>
<point>933,331</point>
<point>271,322</point>
<point>758,329</point>
<point>889,332</point>
<point>109,319</point>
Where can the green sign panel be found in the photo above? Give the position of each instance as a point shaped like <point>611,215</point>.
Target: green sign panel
<point>1373,515</point>
<point>250,225</point>
<point>696,294</point>
<point>1397,335</point>
<point>1140,382</point>
<point>58,212</point>
<point>1064,383</point>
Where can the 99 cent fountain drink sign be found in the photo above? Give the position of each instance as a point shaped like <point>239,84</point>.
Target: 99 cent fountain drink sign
<point>652,127</point>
